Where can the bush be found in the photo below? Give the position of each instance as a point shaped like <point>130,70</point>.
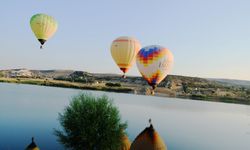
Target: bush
<point>110,84</point>
<point>198,96</point>
<point>91,123</point>
<point>1,74</point>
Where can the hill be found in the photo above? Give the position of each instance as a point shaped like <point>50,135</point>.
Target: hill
<point>232,82</point>
<point>222,90</point>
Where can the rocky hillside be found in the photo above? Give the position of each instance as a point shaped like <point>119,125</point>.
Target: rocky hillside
<point>230,82</point>
<point>173,86</point>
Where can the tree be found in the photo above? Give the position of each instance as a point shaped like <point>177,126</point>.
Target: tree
<point>91,123</point>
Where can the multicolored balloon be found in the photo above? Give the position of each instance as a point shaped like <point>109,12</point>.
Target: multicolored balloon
<point>154,63</point>
<point>43,26</point>
<point>124,50</point>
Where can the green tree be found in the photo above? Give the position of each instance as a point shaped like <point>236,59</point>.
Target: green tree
<point>91,123</point>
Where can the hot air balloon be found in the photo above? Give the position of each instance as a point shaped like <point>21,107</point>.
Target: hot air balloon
<point>43,26</point>
<point>125,143</point>
<point>148,139</point>
<point>32,145</point>
<point>154,63</point>
<point>124,50</point>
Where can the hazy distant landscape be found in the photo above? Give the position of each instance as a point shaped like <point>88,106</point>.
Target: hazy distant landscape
<point>223,90</point>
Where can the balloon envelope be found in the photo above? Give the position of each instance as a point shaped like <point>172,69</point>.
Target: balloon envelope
<point>154,63</point>
<point>125,143</point>
<point>43,26</point>
<point>124,50</point>
<point>32,146</point>
<point>148,139</point>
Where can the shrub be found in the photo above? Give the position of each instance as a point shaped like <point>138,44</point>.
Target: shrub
<point>1,74</point>
<point>198,96</point>
<point>110,84</point>
<point>91,123</point>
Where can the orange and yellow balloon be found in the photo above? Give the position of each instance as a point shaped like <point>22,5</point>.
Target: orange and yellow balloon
<point>154,63</point>
<point>124,50</point>
<point>43,26</point>
<point>148,139</point>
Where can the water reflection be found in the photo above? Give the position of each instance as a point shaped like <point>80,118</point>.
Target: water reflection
<point>27,111</point>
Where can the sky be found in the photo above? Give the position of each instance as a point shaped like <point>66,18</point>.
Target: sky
<point>209,39</point>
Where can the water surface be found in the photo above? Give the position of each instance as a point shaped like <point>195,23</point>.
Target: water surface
<point>28,110</point>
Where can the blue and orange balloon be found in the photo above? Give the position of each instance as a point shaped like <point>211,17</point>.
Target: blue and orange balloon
<point>154,63</point>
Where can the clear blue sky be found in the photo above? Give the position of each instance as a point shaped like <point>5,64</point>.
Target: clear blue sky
<point>209,38</point>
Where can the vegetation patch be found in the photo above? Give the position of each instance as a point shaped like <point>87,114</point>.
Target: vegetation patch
<point>91,123</point>
<point>110,84</point>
